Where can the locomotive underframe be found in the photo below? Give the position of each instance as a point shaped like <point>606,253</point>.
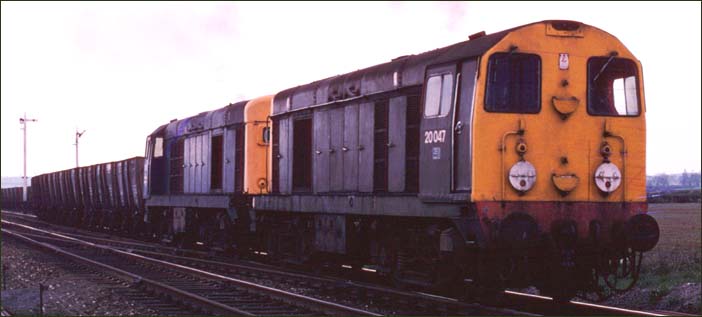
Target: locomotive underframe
<point>487,245</point>
<point>438,252</point>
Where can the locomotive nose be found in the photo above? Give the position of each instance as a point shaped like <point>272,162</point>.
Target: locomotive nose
<point>641,232</point>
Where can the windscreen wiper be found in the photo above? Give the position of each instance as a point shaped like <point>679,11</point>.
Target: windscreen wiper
<point>612,55</point>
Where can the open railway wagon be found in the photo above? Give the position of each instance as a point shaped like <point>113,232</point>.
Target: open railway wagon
<point>105,196</point>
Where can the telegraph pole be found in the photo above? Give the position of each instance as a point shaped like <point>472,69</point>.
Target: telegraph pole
<point>78,135</point>
<point>23,122</point>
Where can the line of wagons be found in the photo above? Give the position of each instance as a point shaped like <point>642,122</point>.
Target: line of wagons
<point>106,195</point>
<point>12,198</point>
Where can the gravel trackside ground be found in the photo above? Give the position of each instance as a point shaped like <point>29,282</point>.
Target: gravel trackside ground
<point>66,292</point>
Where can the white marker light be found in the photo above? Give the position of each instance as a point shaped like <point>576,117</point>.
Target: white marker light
<point>608,177</point>
<point>522,176</point>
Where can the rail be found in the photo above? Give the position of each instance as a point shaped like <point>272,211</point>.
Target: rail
<point>515,302</point>
<point>284,296</point>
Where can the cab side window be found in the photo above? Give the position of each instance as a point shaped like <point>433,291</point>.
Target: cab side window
<point>439,93</point>
<point>266,135</point>
<point>158,147</point>
<point>513,83</point>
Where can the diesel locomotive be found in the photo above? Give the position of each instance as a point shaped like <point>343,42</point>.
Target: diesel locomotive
<point>511,159</point>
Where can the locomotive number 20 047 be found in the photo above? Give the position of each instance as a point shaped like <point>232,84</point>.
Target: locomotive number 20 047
<point>435,136</point>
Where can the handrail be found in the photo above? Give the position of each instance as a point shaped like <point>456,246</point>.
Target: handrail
<point>503,149</point>
<point>607,133</point>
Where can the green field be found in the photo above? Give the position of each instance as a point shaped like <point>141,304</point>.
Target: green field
<point>675,261</point>
<point>678,250</point>
<point>680,225</point>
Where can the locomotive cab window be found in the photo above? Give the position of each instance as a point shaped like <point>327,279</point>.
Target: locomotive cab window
<point>514,83</point>
<point>158,147</point>
<point>437,101</point>
<point>266,135</point>
<point>611,87</point>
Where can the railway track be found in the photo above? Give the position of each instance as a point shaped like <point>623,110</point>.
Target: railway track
<point>384,299</point>
<point>192,289</point>
<point>105,280</point>
<point>543,305</point>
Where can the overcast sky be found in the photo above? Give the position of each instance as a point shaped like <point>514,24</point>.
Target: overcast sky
<point>119,70</point>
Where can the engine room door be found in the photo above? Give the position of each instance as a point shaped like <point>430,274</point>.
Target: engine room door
<point>229,159</point>
<point>435,157</point>
<point>462,127</point>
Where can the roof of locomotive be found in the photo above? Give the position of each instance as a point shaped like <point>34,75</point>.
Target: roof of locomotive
<point>379,78</point>
<point>225,116</point>
<point>408,69</point>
